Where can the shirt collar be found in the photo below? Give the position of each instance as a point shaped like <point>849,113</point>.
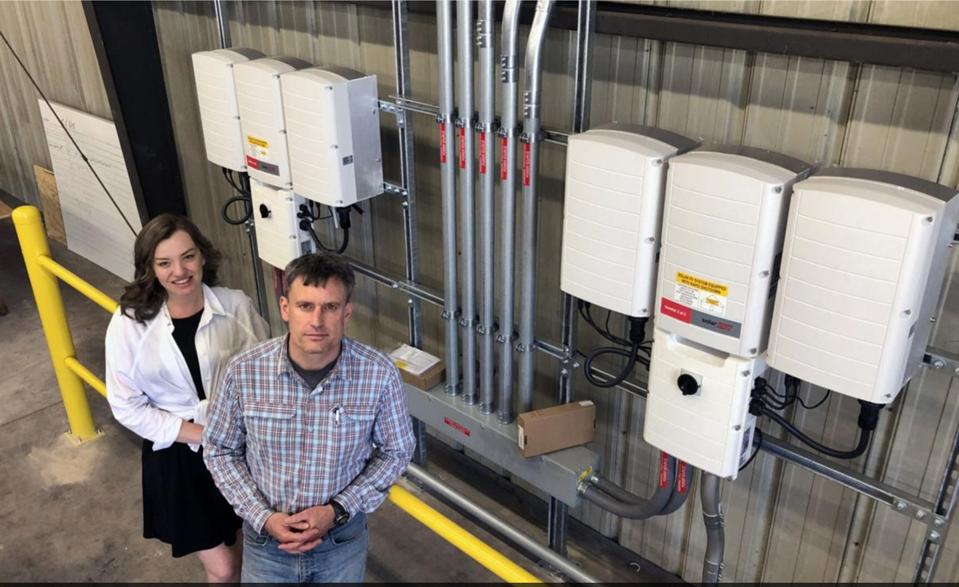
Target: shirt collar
<point>344,365</point>
<point>211,307</point>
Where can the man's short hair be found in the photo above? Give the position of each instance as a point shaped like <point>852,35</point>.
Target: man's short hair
<point>317,268</point>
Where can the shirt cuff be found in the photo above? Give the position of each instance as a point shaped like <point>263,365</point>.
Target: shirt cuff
<point>350,502</point>
<point>258,517</point>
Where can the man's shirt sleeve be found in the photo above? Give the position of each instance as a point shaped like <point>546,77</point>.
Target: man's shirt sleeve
<point>224,452</point>
<point>394,440</point>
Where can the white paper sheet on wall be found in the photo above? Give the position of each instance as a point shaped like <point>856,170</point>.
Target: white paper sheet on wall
<point>94,228</point>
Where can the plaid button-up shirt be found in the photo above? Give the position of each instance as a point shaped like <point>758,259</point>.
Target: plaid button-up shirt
<point>272,444</point>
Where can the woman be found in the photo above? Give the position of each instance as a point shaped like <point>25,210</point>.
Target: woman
<point>165,348</point>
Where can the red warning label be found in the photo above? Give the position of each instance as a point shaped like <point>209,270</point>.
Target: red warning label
<point>456,426</point>
<point>663,469</point>
<point>673,310</point>
<point>504,155</point>
<point>482,150</point>
<point>682,486</point>
<point>526,164</point>
<point>442,142</point>
<point>462,148</point>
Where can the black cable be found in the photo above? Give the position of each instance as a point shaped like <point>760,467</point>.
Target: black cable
<point>864,436</point>
<point>609,350</point>
<point>247,210</point>
<point>637,331</point>
<point>759,443</point>
<point>817,404</point>
<point>70,136</point>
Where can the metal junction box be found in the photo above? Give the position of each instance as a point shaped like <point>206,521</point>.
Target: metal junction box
<point>615,181</point>
<point>219,111</point>
<point>557,474</point>
<point>333,133</point>
<point>863,265</point>
<point>723,225</point>
<point>261,117</point>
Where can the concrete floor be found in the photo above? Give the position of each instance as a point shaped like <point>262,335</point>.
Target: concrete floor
<point>73,513</point>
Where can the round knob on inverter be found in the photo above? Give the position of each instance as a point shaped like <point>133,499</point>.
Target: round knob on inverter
<point>687,384</point>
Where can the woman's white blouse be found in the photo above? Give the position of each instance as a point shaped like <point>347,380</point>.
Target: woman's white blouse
<point>149,386</point>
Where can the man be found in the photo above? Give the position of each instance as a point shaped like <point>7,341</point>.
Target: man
<point>307,434</point>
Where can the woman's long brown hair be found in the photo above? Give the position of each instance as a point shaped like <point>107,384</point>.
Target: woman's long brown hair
<point>144,296</point>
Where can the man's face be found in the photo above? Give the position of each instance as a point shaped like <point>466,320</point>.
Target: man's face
<point>317,317</point>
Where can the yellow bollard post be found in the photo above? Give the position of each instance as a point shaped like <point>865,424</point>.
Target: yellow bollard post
<point>53,319</point>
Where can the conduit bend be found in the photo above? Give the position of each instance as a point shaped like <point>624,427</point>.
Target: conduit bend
<point>615,499</point>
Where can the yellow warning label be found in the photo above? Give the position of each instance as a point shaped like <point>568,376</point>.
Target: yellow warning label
<point>258,142</point>
<point>703,284</point>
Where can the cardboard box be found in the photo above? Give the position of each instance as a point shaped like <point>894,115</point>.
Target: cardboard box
<point>418,367</point>
<point>556,428</point>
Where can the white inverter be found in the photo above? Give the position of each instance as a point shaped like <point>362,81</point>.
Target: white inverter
<point>333,132</point>
<point>615,180</point>
<point>723,224</point>
<point>261,118</point>
<point>697,408</point>
<point>278,235</point>
<point>219,112</point>
<point>865,256</point>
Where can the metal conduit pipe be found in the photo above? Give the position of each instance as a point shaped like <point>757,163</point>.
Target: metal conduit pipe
<point>464,122</point>
<point>485,25</point>
<point>617,500</point>
<point>507,176</point>
<point>444,50</point>
<point>531,142</point>
<point>684,481</point>
<point>711,490</point>
<point>511,534</point>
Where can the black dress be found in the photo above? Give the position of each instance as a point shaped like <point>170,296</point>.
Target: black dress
<point>181,504</point>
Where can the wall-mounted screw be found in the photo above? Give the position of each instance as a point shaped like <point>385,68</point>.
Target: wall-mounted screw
<point>938,363</point>
<point>900,505</point>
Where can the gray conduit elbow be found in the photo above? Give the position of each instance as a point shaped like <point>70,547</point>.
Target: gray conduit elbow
<point>616,500</point>
<point>684,476</point>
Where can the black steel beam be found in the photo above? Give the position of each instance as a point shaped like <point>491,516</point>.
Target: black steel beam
<point>894,46</point>
<point>125,41</point>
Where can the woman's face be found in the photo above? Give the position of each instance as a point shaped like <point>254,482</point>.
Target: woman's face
<point>178,266</point>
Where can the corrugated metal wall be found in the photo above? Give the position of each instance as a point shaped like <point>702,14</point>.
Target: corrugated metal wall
<point>782,524</point>
<point>53,41</point>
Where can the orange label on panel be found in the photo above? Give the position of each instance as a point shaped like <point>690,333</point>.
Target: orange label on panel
<point>442,142</point>
<point>462,148</point>
<point>482,153</point>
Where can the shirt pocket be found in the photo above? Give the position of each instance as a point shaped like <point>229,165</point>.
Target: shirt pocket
<point>271,430</point>
<point>353,430</point>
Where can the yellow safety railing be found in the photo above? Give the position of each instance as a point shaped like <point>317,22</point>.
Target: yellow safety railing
<point>43,272</point>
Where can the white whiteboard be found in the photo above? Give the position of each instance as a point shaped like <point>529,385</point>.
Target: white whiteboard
<point>94,228</point>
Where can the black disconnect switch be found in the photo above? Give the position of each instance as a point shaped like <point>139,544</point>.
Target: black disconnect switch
<point>264,211</point>
<point>687,384</point>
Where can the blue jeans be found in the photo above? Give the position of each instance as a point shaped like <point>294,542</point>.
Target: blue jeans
<point>340,558</point>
